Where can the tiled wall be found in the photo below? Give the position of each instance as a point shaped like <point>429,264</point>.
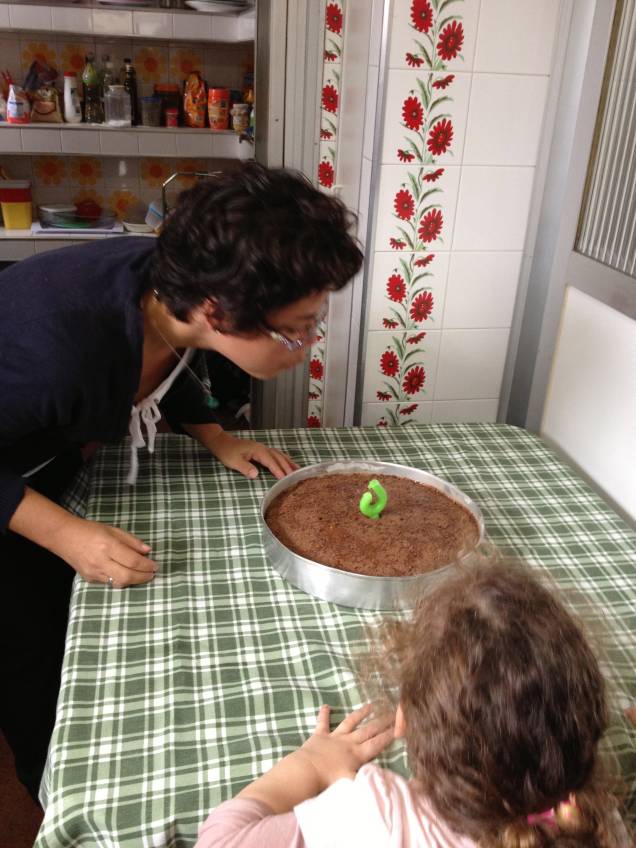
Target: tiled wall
<point>116,183</point>
<point>465,85</point>
<point>156,61</point>
<point>326,178</point>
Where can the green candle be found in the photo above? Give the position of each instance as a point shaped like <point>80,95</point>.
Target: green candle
<point>367,507</point>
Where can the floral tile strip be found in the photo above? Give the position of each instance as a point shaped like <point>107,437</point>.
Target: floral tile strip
<point>330,104</point>
<point>438,34</point>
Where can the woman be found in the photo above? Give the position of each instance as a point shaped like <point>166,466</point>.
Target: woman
<point>96,342</point>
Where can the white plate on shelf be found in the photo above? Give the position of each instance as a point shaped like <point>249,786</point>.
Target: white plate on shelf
<point>217,6</point>
<point>125,2</point>
<point>136,228</point>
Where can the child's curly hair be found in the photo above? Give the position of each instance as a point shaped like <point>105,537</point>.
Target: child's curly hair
<point>504,705</point>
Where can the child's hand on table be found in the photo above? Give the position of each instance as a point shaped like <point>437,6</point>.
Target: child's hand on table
<point>323,759</point>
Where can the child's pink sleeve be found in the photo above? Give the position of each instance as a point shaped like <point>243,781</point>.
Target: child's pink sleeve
<point>248,823</point>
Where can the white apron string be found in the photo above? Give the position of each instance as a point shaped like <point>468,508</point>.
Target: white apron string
<point>148,413</point>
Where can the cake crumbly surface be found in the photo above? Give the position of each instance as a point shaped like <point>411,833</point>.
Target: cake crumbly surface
<point>420,529</point>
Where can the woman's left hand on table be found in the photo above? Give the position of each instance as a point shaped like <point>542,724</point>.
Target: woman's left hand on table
<point>242,455</point>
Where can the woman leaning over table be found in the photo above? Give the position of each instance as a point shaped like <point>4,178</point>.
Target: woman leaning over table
<point>95,343</point>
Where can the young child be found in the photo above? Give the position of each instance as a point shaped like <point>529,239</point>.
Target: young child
<point>502,706</point>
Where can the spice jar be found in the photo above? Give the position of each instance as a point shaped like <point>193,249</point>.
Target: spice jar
<point>219,108</point>
<point>171,116</point>
<point>240,117</point>
<point>170,95</point>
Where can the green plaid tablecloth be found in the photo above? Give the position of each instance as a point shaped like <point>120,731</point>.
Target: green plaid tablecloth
<point>177,693</point>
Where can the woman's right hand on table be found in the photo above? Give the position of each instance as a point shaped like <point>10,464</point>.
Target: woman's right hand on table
<point>99,552</point>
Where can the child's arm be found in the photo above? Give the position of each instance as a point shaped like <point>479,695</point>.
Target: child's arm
<point>324,758</point>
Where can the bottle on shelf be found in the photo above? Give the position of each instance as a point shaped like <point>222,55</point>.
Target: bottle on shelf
<point>93,107</point>
<point>72,105</point>
<point>109,77</point>
<point>130,84</point>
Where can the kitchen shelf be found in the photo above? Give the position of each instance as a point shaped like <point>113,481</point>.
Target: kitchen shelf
<point>101,140</point>
<point>126,23</point>
<point>18,244</point>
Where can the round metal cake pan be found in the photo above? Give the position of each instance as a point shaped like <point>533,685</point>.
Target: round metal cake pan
<point>344,587</point>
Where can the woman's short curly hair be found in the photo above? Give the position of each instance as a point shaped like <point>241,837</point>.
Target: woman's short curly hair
<point>504,704</point>
<point>253,241</point>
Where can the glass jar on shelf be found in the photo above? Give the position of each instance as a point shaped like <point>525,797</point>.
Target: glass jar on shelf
<point>117,107</point>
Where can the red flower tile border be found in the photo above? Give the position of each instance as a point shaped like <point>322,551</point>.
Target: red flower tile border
<point>326,176</point>
<point>438,34</point>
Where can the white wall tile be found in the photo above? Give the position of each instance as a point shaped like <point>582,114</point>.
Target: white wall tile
<point>193,144</point>
<point>418,281</point>
<point>422,354</point>
<point>405,87</point>
<point>65,19</point>
<point>40,141</point>
<point>10,139</point>
<point>492,210</point>
<point>481,289</point>
<point>224,145</point>
<point>465,411</point>
<point>246,27</point>
<point>505,119</point>
<point>80,141</point>
<point>112,22</point>
<point>224,28</point>
<point>194,26</point>
<point>4,15</point>
<point>396,178</point>
<point>516,36</point>
<point>30,17</point>
<point>115,143</point>
<point>405,36</point>
<point>157,144</point>
<point>152,24</point>
<point>471,364</point>
<point>395,414</point>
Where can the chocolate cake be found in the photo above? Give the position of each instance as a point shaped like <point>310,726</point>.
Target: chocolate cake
<point>420,529</point>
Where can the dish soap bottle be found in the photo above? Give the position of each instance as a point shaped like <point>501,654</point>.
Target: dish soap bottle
<point>93,109</point>
<point>130,84</point>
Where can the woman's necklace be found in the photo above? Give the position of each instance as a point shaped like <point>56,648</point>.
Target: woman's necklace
<point>210,401</point>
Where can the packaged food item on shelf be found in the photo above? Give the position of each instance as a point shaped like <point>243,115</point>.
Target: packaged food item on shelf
<point>240,117</point>
<point>45,106</point>
<point>170,96</point>
<point>219,108</point>
<point>18,107</point>
<point>194,100</point>
<point>72,106</point>
<point>172,117</point>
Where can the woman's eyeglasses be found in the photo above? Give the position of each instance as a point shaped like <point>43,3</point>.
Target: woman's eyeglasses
<point>305,337</point>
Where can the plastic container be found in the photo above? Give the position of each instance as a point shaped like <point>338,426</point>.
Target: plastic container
<point>151,111</point>
<point>72,105</point>
<point>172,116</point>
<point>240,117</point>
<point>15,199</point>
<point>117,107</point>
<point>219,108</point>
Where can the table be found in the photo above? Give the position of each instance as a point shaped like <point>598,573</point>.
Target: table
<point>177,693</point>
